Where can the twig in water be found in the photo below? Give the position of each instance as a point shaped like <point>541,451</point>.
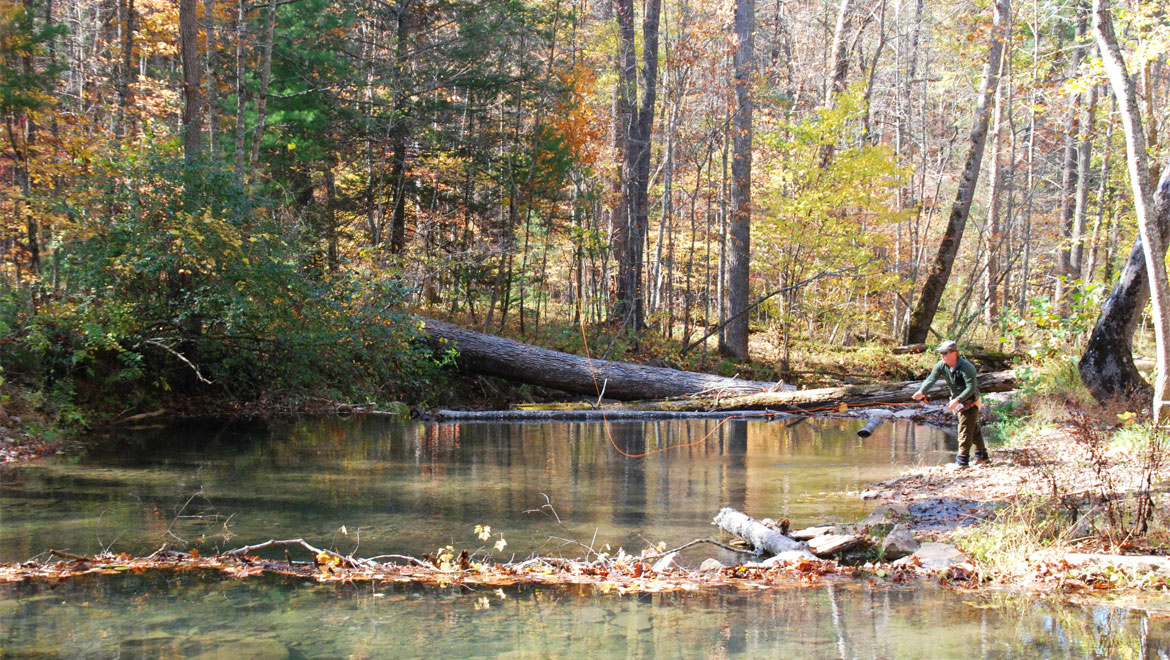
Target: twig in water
<point>697,542</point>
<point>547,505</point>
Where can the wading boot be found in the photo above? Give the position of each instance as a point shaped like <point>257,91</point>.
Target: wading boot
<point>981,457</point>
<point>961,463</point>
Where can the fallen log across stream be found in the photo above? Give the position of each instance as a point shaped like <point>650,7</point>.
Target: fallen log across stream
<point>659,389</point>
<point>825,398</point>
<point>496,356</point>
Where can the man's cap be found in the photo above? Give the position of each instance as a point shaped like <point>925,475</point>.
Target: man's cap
<point>948,346</point>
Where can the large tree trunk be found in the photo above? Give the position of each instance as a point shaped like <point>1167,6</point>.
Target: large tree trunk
<point>940,271</point>
<point>497,356</point>
<point>1153,247</point>
<point>192,89</point>
<point>735,336</point>
<point>1107,366</point>
<point>630,236</point>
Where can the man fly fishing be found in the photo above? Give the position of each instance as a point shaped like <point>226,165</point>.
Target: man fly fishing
<point>960,375</point>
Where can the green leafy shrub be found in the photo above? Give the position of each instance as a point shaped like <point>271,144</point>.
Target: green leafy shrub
<point>173,280</point>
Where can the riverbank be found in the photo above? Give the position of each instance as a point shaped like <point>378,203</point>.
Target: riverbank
<point>1068,503</point>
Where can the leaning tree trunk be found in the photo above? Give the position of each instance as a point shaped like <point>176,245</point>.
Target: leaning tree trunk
<point>735,336</point>
<point>1107,366</point>
<point>496,356</point>
<point>1153,247</point>
<point>940,272</point>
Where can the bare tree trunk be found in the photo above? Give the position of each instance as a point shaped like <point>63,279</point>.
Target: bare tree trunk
<point>839,52</point>
<point>399,131</point>
<point>192,89</point>
<point>1084,158</point>
<point>241,89</point>
<point>212,79</point>
<point>1102,186</point>
<point>995,174</point>
<point>735,337</point>
<point>1068,180</point>
<point>129,73</point>
<point>1153,246</point>
<point>940,271</point>
<point>629,240</point>
<point>262,96</point>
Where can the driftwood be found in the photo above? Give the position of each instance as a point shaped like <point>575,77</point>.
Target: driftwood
<point>876,419</point>
<point>829,544</point>
<point>496,356</point>
<point>827,398</point>
<point>812,532</point>
<point>762,538</point>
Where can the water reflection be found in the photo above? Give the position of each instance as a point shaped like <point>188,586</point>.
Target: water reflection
<point>411,487</point>
<point>167,616</point>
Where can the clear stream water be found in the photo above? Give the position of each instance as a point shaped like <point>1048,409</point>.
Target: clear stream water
<point>373,486</point>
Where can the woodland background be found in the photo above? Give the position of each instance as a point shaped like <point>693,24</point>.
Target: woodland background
<point>253,199</point>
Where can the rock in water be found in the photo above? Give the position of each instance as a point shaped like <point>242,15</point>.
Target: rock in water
<point>900,543</point>
<point>711,564</point>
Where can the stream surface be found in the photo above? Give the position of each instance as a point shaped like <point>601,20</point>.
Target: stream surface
<point>373,486</point>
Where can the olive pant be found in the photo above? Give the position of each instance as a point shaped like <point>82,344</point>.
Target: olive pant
<point>969,432</point>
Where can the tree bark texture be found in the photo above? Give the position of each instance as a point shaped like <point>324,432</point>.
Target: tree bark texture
<point>739,232</point>
<point>192,74</point>
<point>630,236</point>
<point>1153,247</point>
<point>940,271</point>
<point>496,356</point>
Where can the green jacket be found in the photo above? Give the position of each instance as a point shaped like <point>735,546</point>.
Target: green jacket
<point>961,379</point>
